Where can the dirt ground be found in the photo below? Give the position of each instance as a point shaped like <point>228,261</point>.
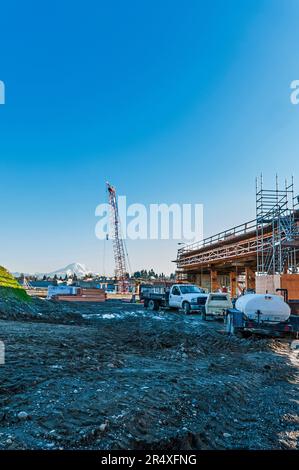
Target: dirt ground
<point>129,379</point>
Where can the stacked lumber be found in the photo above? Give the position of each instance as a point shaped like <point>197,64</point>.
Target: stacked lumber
<point>84,295</point>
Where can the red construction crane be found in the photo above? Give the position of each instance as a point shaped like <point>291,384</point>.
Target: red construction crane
<point>118,243</point>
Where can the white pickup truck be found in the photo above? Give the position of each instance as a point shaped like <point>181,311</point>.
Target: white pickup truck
<point>217,304</point>
<point>187,297</point>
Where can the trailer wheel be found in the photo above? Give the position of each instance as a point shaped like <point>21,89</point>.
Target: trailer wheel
<point>186,307</point>
<point>152,305</point>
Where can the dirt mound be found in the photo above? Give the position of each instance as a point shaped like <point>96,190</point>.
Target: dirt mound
<point>12,307</point>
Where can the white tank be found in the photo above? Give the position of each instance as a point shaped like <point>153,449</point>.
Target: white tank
<point>272,307</point>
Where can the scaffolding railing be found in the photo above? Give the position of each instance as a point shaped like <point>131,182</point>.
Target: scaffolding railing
<point>226,235</point>
<point>232,251</point>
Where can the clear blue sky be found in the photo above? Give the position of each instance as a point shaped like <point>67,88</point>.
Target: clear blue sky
<point>171,101</point>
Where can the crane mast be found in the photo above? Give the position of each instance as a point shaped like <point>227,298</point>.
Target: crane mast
<point>118,243</point>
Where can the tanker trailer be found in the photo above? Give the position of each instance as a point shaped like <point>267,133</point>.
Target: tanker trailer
<point>264,314</point>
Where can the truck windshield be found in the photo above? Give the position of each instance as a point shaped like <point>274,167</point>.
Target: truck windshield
<point>190,290</point>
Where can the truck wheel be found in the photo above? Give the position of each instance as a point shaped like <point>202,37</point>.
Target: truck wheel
<point>186,307</point>
<point>152,305</point>
<point>204,316</point>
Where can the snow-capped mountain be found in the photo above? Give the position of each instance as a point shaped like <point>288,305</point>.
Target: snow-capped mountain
<point>75,268</point>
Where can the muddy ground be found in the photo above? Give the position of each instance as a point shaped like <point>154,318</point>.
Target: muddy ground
<point>129,379</point>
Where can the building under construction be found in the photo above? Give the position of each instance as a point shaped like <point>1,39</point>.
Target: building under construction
<point>262,254</point>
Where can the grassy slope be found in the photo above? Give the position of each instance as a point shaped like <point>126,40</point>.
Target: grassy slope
<point>10,287</point>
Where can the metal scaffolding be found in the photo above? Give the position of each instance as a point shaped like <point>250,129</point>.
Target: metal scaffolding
<point>268,244</point>
<point>276,228</point>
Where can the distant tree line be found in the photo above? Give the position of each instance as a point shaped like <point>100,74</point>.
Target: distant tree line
<point>151,274</point>
<point>143,274</point>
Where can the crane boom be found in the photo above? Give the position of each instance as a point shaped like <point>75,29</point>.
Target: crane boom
<point>118,243</point>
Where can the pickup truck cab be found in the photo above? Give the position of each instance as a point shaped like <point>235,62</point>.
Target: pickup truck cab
<point>187,297</point>
<point>178,296</point>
